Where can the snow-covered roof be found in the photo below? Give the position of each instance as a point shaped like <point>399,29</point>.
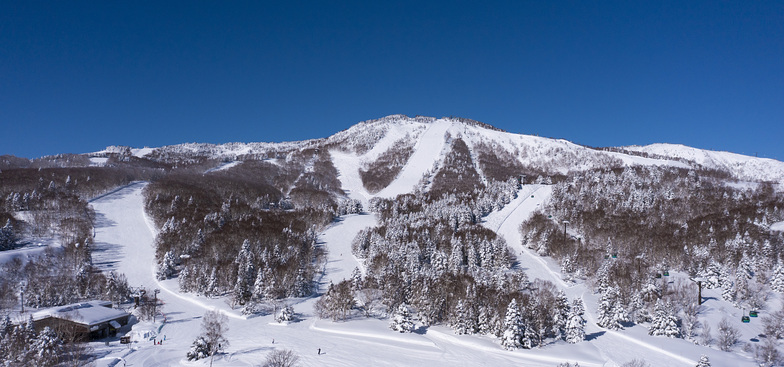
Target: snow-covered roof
<point>87,313</point>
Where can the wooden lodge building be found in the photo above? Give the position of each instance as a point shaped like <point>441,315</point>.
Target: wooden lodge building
<point>87,320</point>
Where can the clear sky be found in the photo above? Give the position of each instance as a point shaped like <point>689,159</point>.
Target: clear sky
<point>78,76</point>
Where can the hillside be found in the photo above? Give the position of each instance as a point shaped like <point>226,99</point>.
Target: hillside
<point>479,246</point>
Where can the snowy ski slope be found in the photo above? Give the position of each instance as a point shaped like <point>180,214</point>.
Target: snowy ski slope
<point>125,238</point>
<point>124,242</point>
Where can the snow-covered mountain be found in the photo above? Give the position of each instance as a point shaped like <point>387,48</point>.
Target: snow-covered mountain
<point>446,225</point>
<point>367,140</point>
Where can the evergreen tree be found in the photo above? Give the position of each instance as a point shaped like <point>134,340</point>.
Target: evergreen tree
<point>167,266</point>
<point>246,273</point>
<point>356,279</point>
<point>664,321</point>
<point>639,311</point>
<point>560,315</point>
<point>8,236</point>
<point>513,324</point>
<point>401,321</point>
<point>460,319</point>
<point>484,321</point>
<point>704,361</point>
<point>777,281</point>
<point>46,348</point>
<point>531,336</point>
<point>259,286</point>
<point>611,313</point>
<point>286,314</point>
<point>575,325</point>
<point>212,285</point>
<point>726,284</point>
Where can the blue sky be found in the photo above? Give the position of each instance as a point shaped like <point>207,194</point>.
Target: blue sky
<point>78,76</point>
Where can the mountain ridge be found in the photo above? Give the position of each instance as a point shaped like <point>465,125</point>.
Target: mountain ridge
<point>546,156</point>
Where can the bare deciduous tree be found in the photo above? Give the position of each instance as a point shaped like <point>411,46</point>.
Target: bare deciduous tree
<point>281,358</point>
<point>728,335</point>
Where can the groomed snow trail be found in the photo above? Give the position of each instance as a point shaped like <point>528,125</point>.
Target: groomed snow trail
<point>124,243</point>
<point>613,346</point>
<point>337,238</point>
<point>426,152</point>
<point>506,223</point>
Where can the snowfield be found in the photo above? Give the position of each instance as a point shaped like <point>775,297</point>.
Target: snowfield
<point>125,240</point>
<point>746,167</point>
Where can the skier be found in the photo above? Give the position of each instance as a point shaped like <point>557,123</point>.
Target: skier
<point>319,352</point>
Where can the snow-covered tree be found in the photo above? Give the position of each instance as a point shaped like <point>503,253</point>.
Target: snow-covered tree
<point>513,327</point>
<point>199,349</point>
<point>286,314</point>
<point>728,335</point>
<point>777,279</point>
<point>575,324</point>
<point>212,285</point>
<point>336,303</point>
<point>611,314</point>
<point>167,266</point>
<point>46,347</point>
<point>8,236</point>
<point>401,320</point>
<point>560,315</point>
<point>726,284</point>
<point>703,362</point>
<point>461,323</point>
<point>214,325</point>
<point>484,320</point>
<point>246,274</point>
<point>356,279</point>
<point>664,321</point>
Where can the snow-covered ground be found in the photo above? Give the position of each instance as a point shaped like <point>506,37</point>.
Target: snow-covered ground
<point>35,247</point>
<point>778,226</point>
<point>124,242</point>
<point>746,167</point>
<point>223,166</point>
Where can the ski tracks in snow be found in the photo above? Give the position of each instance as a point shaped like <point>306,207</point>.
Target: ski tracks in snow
<point>506,223</point>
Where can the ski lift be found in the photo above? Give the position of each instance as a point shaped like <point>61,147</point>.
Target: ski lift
<point>549,217</point>
<point>666,273</point>
<point>753,313</point>
<point>745,319</point>
<point>615,255</point>
<point>658,275</point>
